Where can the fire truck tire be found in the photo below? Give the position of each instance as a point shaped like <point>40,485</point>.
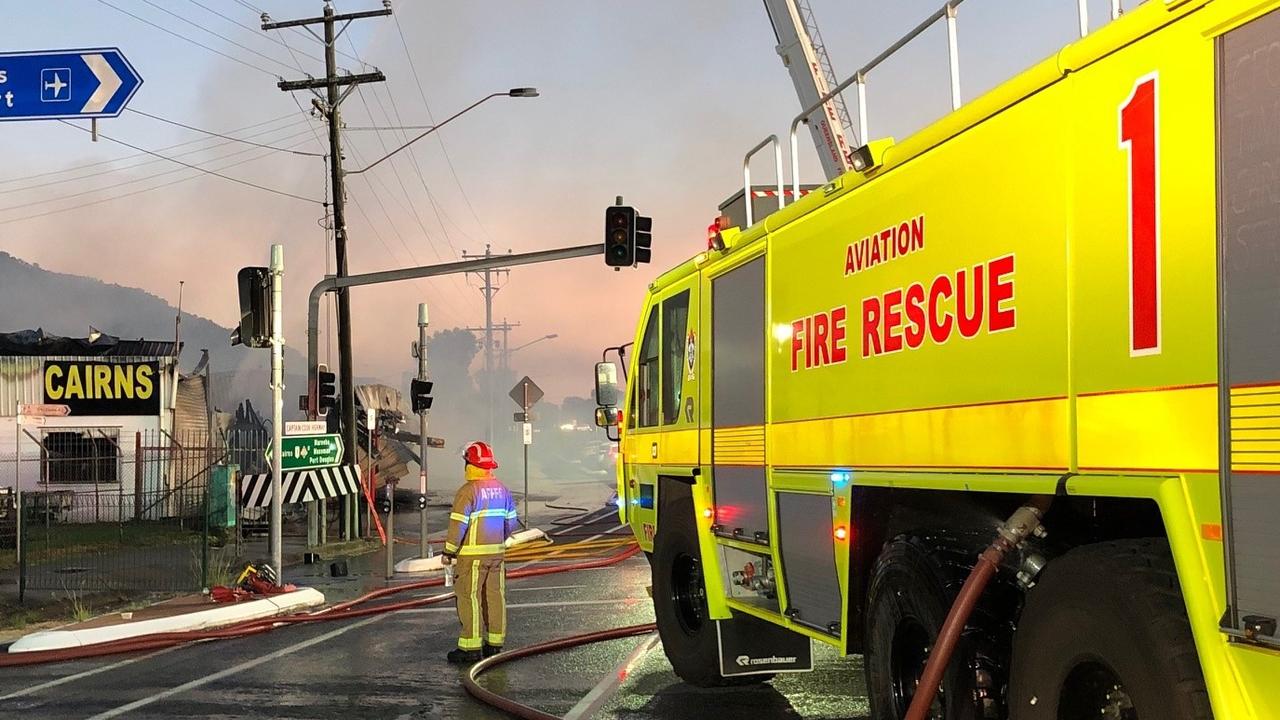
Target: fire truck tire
<point>679,602</point>
<point>1105,634</point>
<point>907,603</point>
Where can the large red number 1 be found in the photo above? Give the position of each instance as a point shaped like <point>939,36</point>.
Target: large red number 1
<point>1139,137</point>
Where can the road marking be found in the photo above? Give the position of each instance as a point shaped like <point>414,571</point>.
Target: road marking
<point>70,678</point>
<point>545,587</point>
<point>518,606</point>
<point>247,665</point>
<point>591,703</point>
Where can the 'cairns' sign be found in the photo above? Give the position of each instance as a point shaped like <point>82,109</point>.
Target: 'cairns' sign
<point>103,388</point>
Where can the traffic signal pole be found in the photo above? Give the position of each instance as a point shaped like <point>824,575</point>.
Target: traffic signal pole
<point>425,547</point>
<point>277,409</point>
<point>334,284</point>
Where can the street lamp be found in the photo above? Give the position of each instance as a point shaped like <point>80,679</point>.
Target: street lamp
<point>520,92</point>
<point>506,352</point>
<point>552,336</point>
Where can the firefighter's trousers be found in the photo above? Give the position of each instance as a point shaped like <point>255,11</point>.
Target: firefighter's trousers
<point>480,587</point>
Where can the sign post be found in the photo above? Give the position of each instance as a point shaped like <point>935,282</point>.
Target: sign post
<point>277,410</point>
<point>526,393</point>
<point>425,545</point>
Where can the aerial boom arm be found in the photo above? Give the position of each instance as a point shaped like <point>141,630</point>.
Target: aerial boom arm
<point>805,58</point>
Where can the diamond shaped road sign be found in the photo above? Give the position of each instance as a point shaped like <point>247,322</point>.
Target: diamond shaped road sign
<point>526,393</point>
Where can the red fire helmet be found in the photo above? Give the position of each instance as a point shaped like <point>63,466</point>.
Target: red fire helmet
<point>480,454</point>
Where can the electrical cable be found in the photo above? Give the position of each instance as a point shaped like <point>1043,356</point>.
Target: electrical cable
<point>220,135</point>
<point>135,155</point>
<point>117,197</point>
<point>218,35</point>
<point>144,178</point>
<point>196,167</point>
<point>133,166</point>
<point>197,43</point>
<point>439,137</point>
<point>257,31</point>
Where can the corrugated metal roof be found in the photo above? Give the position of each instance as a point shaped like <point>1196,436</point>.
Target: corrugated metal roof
<point>36,343</point>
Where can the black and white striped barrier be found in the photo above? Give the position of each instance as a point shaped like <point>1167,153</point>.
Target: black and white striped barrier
<point>301,485</point>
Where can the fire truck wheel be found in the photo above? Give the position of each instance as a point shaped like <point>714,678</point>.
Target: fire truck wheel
<point>680,604</point>
<point>1105,634</point>
<point>906,606</point>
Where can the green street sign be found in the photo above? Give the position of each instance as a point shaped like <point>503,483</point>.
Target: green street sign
<point>304,452</point>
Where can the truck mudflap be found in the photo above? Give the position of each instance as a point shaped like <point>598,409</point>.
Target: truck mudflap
<point>749,646</point>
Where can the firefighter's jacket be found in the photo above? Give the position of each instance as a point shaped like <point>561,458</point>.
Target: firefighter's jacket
<point>483,517</point>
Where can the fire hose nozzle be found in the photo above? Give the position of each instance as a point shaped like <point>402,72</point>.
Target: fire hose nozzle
<point>1023,523</point>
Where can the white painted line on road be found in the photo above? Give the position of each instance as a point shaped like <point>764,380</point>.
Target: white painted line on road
<point>545,587</point>
<point>70,678</point>
<point>591,703</point>
<point>247,665</point>
<point>518,606</point>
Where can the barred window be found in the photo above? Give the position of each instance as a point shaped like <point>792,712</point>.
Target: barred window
<point>80,457</point>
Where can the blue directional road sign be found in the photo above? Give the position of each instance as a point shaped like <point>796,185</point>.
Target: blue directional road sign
<point>90,83</point>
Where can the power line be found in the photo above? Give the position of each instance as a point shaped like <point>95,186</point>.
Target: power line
<point>259,11</point>
<point>124,195</point>
<point>413,68</point>
<point>111,161</point>
<point>256,31</point>
<point>218,35</point>
<point>196,167</point>
<point>197,43</point>
<point>90,191</point>
<point>99,173</point>
<point>220,135</point>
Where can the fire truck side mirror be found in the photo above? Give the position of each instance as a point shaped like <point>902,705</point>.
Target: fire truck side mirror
<point>607,417</point>
<point>606,385</point>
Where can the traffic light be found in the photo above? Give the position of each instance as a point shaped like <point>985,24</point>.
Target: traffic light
<point>619,236</point>
<point>326,390</point>
<point>627,237</point>
<point>420,395</point>
<point>254,329</point>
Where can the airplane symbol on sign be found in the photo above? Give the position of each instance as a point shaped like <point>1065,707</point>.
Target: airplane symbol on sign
<point>52,85</point>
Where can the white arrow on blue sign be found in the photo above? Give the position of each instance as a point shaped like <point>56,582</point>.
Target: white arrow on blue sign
<point>51,84</point>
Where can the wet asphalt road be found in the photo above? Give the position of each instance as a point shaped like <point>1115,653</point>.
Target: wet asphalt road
<point>392,666</point>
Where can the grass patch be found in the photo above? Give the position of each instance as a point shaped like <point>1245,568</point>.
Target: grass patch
<point>64,539</point>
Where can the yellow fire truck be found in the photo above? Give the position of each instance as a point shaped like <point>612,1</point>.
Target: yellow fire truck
<point>1048,324</point>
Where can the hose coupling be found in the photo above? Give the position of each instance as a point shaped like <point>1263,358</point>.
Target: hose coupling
<point>1023,523</point>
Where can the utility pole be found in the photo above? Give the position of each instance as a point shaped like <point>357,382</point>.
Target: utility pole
<point>504,327</point>
<point>329,105</point>
<point>489,289</point>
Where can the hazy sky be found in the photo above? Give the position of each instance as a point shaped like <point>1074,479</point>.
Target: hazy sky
<point>654,100</point>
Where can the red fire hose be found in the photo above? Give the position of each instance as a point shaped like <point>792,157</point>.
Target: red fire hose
<point>507,705</point>
<point>341,611</point>
<point>1015,530</point>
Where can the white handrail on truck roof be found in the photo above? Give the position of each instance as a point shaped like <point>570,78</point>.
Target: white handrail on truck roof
<point>948,12</point>
<point>777,167</point>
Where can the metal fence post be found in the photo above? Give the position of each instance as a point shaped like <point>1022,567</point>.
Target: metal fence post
<point>19,546</point>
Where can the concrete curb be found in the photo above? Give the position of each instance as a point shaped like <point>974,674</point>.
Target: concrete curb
<point>215,617</point>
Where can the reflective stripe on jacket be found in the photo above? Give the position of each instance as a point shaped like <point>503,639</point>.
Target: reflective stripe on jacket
<point>483,517</point>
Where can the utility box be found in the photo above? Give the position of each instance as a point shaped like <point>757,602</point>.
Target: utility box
<point>222,496</point>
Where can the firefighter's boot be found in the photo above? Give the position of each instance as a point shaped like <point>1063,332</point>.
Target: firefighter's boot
<point>491,650</point>
<point>458,656</point>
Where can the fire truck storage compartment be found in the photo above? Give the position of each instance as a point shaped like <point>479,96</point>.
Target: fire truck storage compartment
<point>750,578</point>
<point>1248,268</point>
<point>737,397</point>
<point>806,551</point>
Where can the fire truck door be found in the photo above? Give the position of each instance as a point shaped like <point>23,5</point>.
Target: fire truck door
<point>1249,307</point>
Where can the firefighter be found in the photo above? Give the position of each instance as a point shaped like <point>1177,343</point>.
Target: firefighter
<point>483,517</point>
